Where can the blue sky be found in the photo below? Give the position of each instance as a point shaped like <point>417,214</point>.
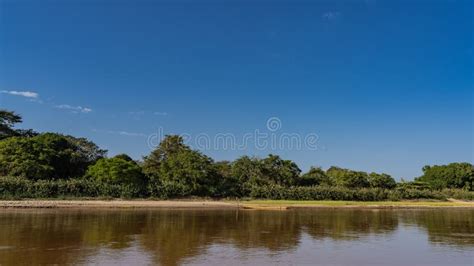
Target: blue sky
<point>386,85</point>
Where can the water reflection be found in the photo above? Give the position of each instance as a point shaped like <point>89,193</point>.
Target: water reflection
<point>445,228</point>
<point>171,237</point>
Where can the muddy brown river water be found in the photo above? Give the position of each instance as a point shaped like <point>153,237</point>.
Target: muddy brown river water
<point>236,237</point>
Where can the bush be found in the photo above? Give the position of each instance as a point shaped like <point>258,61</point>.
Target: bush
<point>17,187</point>
<point>381,181</point>
<point>415,194</point>
<point>168,189</point>
<point>460,194</point>
<point>454,175</point>
<point>362,194</point>
<point>318,193</point>
<point>348,178</point>
<point>314,177</point>
<point>120,172</point>
<point>47,156</point>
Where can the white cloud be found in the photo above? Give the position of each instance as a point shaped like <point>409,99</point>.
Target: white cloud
<point>130,134</point>
<point>122,133</point>
<point>331,15</point>
<point>27,94</point>
<point>74,109</point>
<point>136,113</point>
<point>161,113</point>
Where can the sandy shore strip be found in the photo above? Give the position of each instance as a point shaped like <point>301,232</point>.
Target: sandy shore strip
<point>115,204</point>
<point>223,204</point>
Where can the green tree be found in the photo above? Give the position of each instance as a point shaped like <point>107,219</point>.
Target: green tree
<point>315,177</point>
<point>47,156</point>
<point>348,178</point>
<point>271,170</point>
<point>249,172</point>
<point>453,175</point>
<point>7,120</point>
<point>381,181</point>
<point>227,184</point>
<point>117,170</point>
<point>174,162</point>
<point>280,172</point>
<point>124,156</point>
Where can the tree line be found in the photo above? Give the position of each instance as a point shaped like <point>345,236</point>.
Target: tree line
<point>51,164</point>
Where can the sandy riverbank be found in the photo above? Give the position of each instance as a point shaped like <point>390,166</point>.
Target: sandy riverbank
<point>114,204</point>
<point>210,204</point>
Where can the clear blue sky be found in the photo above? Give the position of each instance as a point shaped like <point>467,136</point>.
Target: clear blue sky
<point>386,85</point>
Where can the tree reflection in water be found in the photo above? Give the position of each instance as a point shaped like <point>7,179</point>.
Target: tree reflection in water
<point>170,236</point>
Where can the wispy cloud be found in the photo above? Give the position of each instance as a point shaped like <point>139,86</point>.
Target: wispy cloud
<point>121,133</point>
<point>74,109</point>
<point>136,113</point>
<point>27,94</point>
<point>139,114</point>
<point>130,134</point>
<point>331,15</point>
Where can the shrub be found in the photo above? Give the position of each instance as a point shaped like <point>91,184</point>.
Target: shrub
<point>454,175</point>
<point>381,181</point>
<point>362,194</point>
<point>168,189</point>
<point>17,187</point>
<point>117,171</point>
<point>47,156</point>
<point>314,177</point>
<point>348,178</point>
<point>318,193</point>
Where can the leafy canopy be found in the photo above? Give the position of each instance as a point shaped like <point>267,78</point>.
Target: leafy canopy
<point>381,181</point>
<point>173,161</point>
<point>315,177</point>
<point>454,175</point>
<point>7,120</point>
<point>117,170</point>
<point>348,178</point>
<point>47,156</point>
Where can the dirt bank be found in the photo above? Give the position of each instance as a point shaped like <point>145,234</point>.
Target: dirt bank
<point>210,204</point>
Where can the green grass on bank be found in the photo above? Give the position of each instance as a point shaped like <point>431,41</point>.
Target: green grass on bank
<point>305,203</point>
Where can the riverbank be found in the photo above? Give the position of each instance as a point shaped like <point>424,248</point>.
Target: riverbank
<point>225,204</point>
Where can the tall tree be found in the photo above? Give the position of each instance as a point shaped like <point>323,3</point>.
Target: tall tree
<point>174,162</point>
<point>47,156</point>
<point>117,170</point>
<point>279,171</point>
<point>271,170</point>
<point>348,178</point>
<point>453,175</point>
<point>7,120</point>
<point>381,181</point>
<point>315,177</point>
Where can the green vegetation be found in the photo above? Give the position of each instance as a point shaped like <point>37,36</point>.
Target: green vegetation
<point>120,171</point>
<point>454,175</point>
<point>275,204</point>
<point>50,165</point>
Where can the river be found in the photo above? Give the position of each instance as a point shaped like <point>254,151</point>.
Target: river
<point>232,237</point>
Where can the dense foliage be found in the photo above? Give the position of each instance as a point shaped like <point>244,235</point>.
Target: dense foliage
<point>315,177</point>
<point>174,162</point>
<point>454,175</point>
<point>117,170</point>
<point>54,165</point>
<point>47,156</point>
<point>348,178</point>
<point>7,121</point>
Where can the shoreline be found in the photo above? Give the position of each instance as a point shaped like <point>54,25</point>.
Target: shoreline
<point>227,204</point>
